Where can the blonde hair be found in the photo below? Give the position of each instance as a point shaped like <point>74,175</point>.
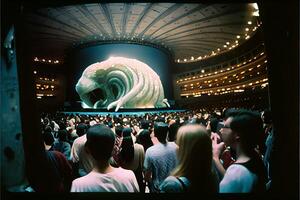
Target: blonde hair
<point>194,155</point>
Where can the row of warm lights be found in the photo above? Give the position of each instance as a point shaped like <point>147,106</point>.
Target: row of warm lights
<point>36,59</point>
<point>222,78</point>
<point>45,79</point>
<point>227,45</point>
<point>39,96</point>
<point>237,87</point>
<point>216,72</point>
<point>44,87</point>
<point>229,90</point>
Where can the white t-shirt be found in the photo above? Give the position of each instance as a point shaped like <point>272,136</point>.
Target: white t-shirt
<point>238,179</point>
<point>160,159</point>
<point>119,180</point>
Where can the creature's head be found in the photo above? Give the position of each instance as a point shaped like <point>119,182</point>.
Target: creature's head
<point>120,82</point>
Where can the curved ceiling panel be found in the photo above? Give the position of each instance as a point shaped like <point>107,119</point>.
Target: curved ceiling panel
<point>188,31</point>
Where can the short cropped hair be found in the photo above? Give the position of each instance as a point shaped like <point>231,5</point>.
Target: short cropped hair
<point>249,126</point>
<point>161,131</point>
<point>100,142</point>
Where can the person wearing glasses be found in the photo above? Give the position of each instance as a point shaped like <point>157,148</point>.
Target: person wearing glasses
<point>241,132</point>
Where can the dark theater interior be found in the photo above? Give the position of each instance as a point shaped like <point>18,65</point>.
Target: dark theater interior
<point>75,71</point>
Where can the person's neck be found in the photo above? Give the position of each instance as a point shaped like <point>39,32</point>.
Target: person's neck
<point>241,155</point>
<point>103,167</point>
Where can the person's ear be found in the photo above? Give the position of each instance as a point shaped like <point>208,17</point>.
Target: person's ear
<point>237,137</point>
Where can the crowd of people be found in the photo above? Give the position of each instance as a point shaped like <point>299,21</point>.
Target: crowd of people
<point>210,152</point>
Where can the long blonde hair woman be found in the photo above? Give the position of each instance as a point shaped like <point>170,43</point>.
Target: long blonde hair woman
<point>194,170</point>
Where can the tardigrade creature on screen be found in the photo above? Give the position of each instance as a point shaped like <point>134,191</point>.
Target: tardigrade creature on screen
<point>120,83</point>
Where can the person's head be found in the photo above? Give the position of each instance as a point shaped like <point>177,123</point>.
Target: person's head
<point>48,138</point>
<point>100,142</point>
<point>144,139</point>
<point>161,131</point>
<point>126,132</point>
<point>173,131</point>
<point>194,153</point>
<point>243,127</point>
<point>81,129</point>
<point>62,135</point>
<point>127,152</point>
<point>119,130</point>
<point>144,124</point>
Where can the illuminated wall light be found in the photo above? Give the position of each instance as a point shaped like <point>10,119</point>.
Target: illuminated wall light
<point>238,37</point>
<point>244,63</point>
<point>262,53</point>
<point>246,29</point>
<point>43,60</point>
<point>247,37</point>
<point>223,89</point>
<point>257,72</point>
<point>258,66</point>
<point>228,69</point>
<point>36,59</point>
<point>254,58</point>
<point>202,71</point>
<point>230,47</point>
<point>256,14</point>
<point>34,72</point>
<point>192,84</point>
<point>232,67</point>
<point>224,45</point>
<point>200,57</point>
<point>249,22</point>
<point>265,61</point>
<point>178,60</point>
<point>216,72</point>
<point>192,58</point>
<point>250,69</point>
<point>227,43</point>
<point>250,84</point>
<point>185,60</point>
<point>257,82</point>
<point>221,71</point>
<point>219,49</point>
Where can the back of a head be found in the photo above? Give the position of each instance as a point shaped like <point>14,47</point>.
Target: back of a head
<point>195,156</point>
<point>249,126</point>
<point>144,139</point>
<point>193,140</point>
<point>81,129</point>
<point>119,130</point>
<point>127,152</point>
<point>126,132</point>
<point>173,131</point>
<point>100,141</point>
<point>48,138</point>
<point>144,124</point>
<point>62,135</point>
<point>161,131</point>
